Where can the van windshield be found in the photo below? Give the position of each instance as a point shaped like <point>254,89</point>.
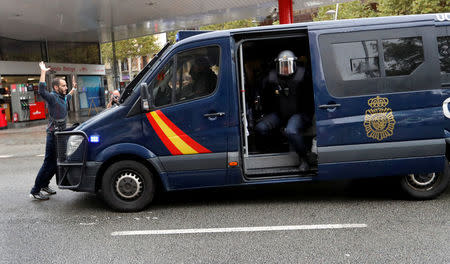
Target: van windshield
<point>130,87</point>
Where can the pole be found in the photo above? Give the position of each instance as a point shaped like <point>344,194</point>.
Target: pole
<point>336,12</point>
<point>114,64</point>
<point>285,11</point>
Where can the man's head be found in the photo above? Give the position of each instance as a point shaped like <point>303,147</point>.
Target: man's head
<point>116,95</point>
<point>60,86</point>
<point>286,63</point>
<point>201,64</point>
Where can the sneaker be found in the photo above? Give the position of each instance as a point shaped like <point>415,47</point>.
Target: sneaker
<point>39,196</point>
<point>48,190</point>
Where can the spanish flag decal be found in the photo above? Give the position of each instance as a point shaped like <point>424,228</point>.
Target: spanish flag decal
<point>175,140</point>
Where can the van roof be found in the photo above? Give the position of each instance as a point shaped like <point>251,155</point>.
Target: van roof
<point>329,24</point>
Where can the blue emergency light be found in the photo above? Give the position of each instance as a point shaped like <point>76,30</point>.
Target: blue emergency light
<point>94,139</point>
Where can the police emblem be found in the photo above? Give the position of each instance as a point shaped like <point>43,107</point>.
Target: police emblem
<point>379,120</point>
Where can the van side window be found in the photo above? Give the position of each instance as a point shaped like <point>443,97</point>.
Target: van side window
<point>357,60</point>
<point>444,53</point>
<point>162,85</point>
<point>391,60</point>
<point>197,71</point>
<point>402,55</point>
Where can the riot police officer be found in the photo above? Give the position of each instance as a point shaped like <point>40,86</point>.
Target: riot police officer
<point>291,104</point>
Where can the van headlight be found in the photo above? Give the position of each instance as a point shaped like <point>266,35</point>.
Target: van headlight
<point>73,143</point>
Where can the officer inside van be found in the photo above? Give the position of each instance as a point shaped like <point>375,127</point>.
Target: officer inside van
<point>291,104</point>
<point>203,78</point>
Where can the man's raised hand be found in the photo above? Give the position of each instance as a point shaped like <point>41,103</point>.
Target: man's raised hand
<point>42,66</point>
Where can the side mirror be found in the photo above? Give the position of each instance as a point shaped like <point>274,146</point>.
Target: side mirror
<point>146,97</point>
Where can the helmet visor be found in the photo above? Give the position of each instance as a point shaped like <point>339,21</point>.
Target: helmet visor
<point>286,66</point>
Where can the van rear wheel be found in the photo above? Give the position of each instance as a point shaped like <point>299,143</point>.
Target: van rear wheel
<point>128,186</point>
<point>424,186</point>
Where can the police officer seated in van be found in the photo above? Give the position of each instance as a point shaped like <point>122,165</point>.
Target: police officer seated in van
<point>203,79</point>
<point>291,104</point>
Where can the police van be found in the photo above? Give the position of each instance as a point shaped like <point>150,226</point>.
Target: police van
<point>379,88</point>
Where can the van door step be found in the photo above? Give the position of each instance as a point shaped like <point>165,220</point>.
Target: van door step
<point>280,171</point>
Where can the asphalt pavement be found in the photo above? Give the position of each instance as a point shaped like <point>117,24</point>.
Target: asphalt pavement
<point>336,222</point>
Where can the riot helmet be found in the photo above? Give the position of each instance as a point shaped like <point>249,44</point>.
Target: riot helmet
<point>286,63</point>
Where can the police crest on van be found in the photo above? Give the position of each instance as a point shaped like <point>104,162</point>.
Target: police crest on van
<point>379,120</point>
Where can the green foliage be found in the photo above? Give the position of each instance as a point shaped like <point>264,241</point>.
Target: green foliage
<point>360,9</point>
<point>171,35</point>
<point>230,25</point>
<point>130,48</point>
<point>394,7</point>
<point>430,6</point>
<point>409,7</point>
<point>347,10</point>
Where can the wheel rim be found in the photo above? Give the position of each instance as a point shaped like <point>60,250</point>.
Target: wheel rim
<point>129,185</point>
<point>422,181</point>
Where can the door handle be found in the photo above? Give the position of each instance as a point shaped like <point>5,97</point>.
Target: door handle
<point>212,115</point>
<point>328,106</point>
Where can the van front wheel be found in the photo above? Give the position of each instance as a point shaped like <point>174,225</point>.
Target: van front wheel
<point>128,186</point>
<point>424,186</point>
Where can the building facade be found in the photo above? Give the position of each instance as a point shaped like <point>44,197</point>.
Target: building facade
<point>19,74</point>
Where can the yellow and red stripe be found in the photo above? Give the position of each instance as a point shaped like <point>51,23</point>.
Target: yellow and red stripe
<point>175,140</point>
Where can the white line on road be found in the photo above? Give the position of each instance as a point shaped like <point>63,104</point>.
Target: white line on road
<point>5,156</point>
<point>40,155</point>
<point>235,229</point>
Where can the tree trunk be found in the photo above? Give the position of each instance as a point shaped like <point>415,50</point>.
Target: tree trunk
<point>130,72</point>
<point>120,69</point>
<point>139,63</point>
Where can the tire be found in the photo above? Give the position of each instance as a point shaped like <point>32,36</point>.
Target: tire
<point>128,186</point>
<point>425,186</point>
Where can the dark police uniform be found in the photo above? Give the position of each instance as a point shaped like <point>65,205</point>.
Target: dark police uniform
<point>289,100</point>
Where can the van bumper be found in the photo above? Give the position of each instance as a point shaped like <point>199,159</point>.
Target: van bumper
<point>78,178</point>
<point>73,171</point>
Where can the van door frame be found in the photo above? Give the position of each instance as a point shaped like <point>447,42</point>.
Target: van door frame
<point>283,159</point>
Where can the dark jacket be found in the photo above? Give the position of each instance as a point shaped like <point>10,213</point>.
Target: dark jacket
<point>288,95</point>
<point>57,107</point>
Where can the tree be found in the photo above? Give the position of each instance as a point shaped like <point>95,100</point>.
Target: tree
<point>410,7</point>
<point>230,25</point>
<point>360,9</point>
<point>130,48</point>
<point>171,35</point>
<point>347,10</point>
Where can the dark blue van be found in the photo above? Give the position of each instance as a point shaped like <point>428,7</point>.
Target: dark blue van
<point>372,96</point>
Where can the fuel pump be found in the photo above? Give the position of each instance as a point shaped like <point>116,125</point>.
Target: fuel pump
<point>21,98</point>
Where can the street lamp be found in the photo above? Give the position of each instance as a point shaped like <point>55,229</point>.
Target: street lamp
<point>333,12</point>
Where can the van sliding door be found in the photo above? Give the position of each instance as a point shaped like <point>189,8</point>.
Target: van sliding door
<point>378,101</point>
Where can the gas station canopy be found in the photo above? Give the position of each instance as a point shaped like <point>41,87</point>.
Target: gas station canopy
<point>95,20</point>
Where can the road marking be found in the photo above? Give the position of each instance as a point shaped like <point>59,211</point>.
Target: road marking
<point>87,224</point>
<point>6,156</point>
<point>235,229</point>
<point>40,155</point>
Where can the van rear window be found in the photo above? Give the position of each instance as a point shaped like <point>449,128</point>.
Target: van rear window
<point>357,60</point>
<point>381,61</point>
<point>444,53</point>
<point>402,55</point>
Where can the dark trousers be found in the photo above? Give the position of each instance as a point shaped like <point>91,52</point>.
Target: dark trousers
<point>48,168</point>
<point>295,125</point>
